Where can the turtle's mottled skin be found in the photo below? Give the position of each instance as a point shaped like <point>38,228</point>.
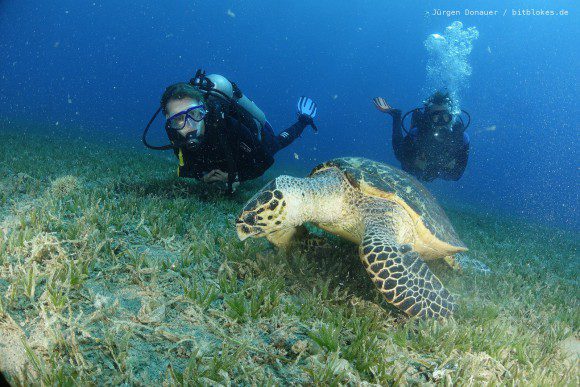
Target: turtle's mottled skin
<point>388,213</point>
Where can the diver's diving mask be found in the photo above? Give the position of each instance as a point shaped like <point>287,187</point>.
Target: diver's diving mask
<point>440,117</point>
<point>180,120</point>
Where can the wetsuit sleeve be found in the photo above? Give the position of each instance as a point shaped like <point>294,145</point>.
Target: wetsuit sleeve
<point>397,137</point>
<point>288,136</point>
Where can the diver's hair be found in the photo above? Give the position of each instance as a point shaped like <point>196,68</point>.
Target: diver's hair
<point>179,91</point>
<point>439,98</point>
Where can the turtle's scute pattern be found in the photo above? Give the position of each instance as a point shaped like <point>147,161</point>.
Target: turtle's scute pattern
<point>392,180</point>
<point>397,271</point>
<point>403,277</point>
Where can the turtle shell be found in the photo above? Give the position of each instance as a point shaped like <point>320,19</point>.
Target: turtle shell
<point>382,180</point>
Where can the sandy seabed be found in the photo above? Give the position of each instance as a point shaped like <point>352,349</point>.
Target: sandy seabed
<point>114,271</point>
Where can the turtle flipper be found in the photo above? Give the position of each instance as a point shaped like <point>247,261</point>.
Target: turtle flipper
<point>404,278</point>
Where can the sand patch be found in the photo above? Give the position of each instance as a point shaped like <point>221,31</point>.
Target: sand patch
<point>570,347</point>
<point>13,358</point>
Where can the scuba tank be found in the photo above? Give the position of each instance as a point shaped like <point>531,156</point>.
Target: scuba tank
<point>219,86</point>
<point>244,110</point>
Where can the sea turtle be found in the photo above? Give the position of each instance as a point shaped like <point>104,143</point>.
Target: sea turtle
<point>395,221</point>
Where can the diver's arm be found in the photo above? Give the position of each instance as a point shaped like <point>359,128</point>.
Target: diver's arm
<point>397,137</point>
<point>253,167</point>
<point>251,156</point>
<point>287,136</point>
<point>306,110</point>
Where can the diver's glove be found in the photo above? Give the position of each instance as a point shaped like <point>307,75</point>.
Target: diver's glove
<point>306,109</point>
<point>383,106</point>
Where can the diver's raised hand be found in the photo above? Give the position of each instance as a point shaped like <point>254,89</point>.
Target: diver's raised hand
<point>306,109</point>
<point>383,106</point>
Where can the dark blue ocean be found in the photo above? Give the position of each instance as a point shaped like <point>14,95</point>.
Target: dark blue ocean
<point>101,66</point>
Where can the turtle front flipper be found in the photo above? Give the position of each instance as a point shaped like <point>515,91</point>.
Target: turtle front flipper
<point>403,277</point>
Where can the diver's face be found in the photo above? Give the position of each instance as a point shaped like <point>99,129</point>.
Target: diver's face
<point>441,120</point>
<point>175,106</point>
<point>440,116</point>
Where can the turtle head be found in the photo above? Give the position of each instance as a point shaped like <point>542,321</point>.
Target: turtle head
<point>265,213</point>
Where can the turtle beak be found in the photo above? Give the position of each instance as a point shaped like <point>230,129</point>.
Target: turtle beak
<point>241,234</point>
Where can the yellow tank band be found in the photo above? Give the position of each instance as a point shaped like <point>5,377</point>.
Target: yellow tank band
<point>181,163</point>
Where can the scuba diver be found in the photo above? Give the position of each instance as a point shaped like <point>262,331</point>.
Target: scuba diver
<point>436,146</point>
<point>218,134</point>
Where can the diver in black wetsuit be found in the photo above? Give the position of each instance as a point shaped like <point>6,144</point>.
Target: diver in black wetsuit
<point>219,135</point>
<point>436,146</point>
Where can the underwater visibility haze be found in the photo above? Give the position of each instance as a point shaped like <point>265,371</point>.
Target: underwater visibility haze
<point>115,270</point>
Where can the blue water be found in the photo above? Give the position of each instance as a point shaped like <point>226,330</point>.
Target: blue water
<point>102,65</point>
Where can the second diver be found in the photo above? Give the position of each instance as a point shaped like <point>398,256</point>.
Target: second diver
<point>436,145</point>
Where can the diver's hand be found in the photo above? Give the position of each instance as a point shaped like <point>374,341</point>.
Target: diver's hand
<point>219,176</point>
<point>214,176</point>
<point>209,177</point>
<point>382,105</point>
<point>306,110</point>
